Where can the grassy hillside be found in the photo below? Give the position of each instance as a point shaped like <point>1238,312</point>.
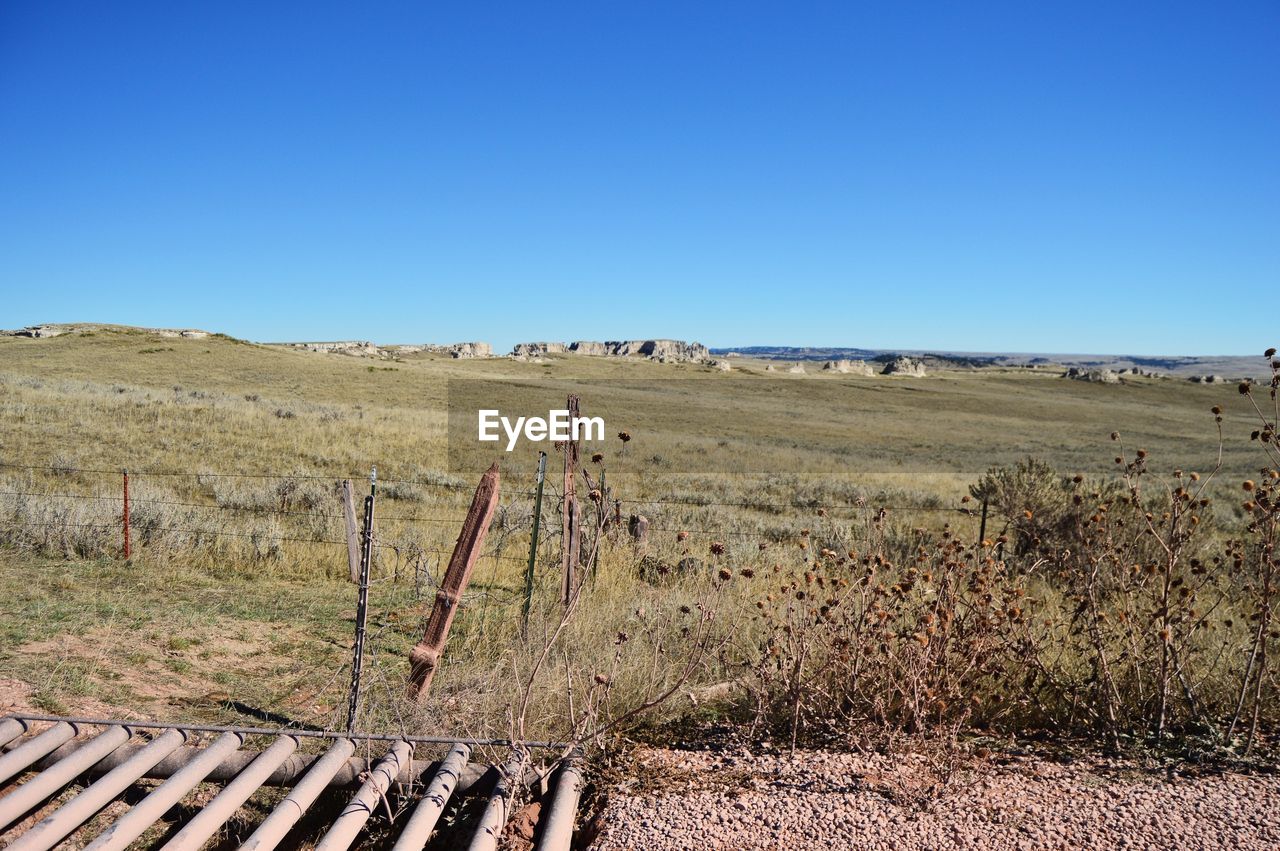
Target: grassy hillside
<point>122,397</point>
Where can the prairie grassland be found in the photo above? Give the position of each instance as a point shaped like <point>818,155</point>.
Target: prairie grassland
<point>757,486</point>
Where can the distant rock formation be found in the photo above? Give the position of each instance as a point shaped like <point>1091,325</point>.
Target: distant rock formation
<point>1208,379</point>
<point>722,365</point>
<point>587,347</point>
<point>453,350</point>
<point>1099,376</point>
<point>366,349</point>
<point>534,349</point>
<point>358,348</point>
<point>798,369</point>
<point>39,332</point>
<point>659,350</point>
<point>848,367</point>
<point>904,366</point>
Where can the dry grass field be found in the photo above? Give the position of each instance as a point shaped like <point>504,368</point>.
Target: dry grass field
<point>236,599</point>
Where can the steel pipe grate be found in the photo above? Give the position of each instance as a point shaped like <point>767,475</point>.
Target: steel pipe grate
<point>395,792</point>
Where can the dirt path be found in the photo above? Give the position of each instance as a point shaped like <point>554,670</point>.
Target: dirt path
<point>743,802</point>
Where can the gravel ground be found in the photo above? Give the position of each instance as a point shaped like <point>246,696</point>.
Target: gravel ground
<point>824,800</point>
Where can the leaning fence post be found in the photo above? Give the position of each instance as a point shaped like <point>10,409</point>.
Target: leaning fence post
<point>533,545</point>
<point>362,602</point>
<point>353,534</point>
<point>425,655</point>
<point>124,516</point>
<point>569,513</point>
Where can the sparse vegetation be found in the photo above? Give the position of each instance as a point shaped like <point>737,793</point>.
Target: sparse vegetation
<point>847,594</point>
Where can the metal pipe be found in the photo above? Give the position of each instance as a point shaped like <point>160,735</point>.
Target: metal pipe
<point>288,731</point>
<point>288,811</point>
<point>18,759</point>
<point>10,729</point>
<point>427,812</point>
<point>498,810</point>
<point>363,803</point>
<point>557,827</point>
<point>475,777</point>
<point>60,824</point>
<point>224,805</point>
<point>16,804</point>
<point>134,823</point>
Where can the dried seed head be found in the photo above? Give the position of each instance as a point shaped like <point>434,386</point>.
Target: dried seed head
<point>717,548</point>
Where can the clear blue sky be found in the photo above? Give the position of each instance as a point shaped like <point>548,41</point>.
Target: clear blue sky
<point>1017,176</point>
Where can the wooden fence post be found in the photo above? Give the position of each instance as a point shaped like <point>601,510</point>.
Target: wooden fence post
<point>124,516</point>
<point>425,655</point>
<point>353,534</point>
<point>570,513</point>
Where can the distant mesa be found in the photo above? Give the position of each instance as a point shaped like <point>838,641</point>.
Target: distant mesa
<point>460,351</point>
<point>848,367</point>
<point>904,366</point>
<point>663,351</point>
<point>1098,376</point>
<point>1148,366</point>
<point>366,349</point>
<point>40,332</point>
<point>532,350</point>
<point>43,332</point>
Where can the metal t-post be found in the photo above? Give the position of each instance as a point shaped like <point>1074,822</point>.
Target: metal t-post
<point>533,545</point>
<point>362,601</point>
